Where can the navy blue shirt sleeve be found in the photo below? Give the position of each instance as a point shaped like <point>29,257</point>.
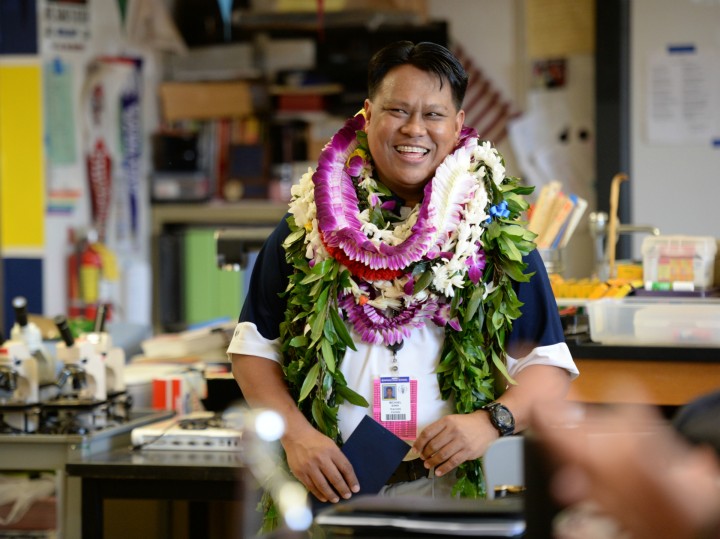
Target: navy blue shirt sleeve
<point>539,324</point>
<point>263,305</point>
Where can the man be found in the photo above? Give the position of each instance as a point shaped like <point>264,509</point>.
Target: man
<point>400,224</point>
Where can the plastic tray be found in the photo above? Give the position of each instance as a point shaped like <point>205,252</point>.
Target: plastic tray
<point>655,321</point>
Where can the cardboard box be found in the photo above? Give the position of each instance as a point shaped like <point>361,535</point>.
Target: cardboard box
<point>418,6</point>
<point>205,100</point>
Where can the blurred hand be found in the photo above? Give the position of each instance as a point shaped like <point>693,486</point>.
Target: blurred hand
<point>631,463</point>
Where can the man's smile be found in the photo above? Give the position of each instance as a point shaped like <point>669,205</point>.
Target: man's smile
<point>412,151</point>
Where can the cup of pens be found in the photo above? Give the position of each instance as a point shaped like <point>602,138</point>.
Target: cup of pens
<point>554,259</point>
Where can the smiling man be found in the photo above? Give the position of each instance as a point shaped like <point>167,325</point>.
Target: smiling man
<point>380,276</point>
<point>413,122</point>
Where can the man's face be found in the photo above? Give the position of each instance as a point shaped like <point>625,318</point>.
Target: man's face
<point>412,125</point>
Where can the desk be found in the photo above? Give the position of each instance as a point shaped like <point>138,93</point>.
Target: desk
<point>670,376</point>
<point>197,477</point>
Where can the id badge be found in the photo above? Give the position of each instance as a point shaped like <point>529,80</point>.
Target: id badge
<point>395,405</point>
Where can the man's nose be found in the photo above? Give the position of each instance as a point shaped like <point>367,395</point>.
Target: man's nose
<point>415,125</point>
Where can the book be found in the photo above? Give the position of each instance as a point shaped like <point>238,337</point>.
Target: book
<point>560,210</point>
<point>543,206</point>
<point>374,453</point>
<point>572,223</point>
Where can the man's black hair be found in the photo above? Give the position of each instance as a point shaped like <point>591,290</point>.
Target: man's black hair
<point>426,56</point>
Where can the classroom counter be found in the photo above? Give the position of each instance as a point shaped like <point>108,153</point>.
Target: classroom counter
<point>197,478</point>
<point>664,376</point>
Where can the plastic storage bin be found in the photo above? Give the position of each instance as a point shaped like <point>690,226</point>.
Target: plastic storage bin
<point>655,321</point>
<point>680,262</point>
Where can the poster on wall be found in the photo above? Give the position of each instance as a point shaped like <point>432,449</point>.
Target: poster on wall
<point>66,24</point>
<point>112,145</point>
<point>59,112</point>
<point>683,105</point>
<point>65,37</point>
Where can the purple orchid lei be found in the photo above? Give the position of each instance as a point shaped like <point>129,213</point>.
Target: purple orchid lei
<point>439,239</point>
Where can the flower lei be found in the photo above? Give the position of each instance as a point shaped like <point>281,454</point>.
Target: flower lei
<point>358,260</point>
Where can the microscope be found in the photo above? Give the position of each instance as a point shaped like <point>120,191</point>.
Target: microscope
<point>28,333</point>
<point>114,359</point>
<point>19,389</point>
<point>82,377</point>
<point>81,405</point>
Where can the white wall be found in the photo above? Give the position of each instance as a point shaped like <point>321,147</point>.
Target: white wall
<point>488,31</point>
<point>674,187</point>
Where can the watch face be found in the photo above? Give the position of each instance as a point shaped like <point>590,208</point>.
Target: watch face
<point>503,417</point>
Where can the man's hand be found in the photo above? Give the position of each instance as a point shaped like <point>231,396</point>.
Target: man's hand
<point>454,439</point>
<point>318,463</point>
<point>313,457</point>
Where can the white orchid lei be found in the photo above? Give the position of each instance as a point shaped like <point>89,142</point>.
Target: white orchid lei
<point>361,260</point>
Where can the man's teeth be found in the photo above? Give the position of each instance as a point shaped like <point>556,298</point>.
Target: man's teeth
<point>411,149</point>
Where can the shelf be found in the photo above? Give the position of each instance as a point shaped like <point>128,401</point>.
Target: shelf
<point>308,21</point>
<point>255,212</point>
<point>310,89</point>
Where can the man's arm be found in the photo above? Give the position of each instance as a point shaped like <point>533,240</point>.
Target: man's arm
<point>454,439</point>
<point>314,459</point>
<point>536,384</point>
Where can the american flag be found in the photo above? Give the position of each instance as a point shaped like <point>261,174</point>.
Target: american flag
<point>485,108</point>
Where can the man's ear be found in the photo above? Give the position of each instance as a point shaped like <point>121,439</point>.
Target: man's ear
<point>459,120</point>
<point>367,107</point>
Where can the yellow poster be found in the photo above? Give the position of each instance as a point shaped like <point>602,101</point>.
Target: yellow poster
<point>21,157</point>
<point>559,28</point>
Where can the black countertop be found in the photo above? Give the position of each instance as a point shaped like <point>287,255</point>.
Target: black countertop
<point>154,464</point>
<point>592,350</point>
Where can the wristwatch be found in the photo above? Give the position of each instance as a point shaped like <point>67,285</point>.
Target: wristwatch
<point>501,418</point>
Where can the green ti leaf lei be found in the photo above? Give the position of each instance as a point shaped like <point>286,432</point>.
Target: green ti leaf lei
<point>314,335</point>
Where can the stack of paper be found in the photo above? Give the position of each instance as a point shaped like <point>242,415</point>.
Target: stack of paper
<point>190,343</point>
<point>555,216</point>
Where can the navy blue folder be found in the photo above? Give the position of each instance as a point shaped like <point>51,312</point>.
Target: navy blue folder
<point>374,453</point>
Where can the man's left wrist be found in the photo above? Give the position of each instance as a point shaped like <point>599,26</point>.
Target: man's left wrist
<point>501,418</point>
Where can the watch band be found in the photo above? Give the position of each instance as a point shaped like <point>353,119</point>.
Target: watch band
<point>501,418</point>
